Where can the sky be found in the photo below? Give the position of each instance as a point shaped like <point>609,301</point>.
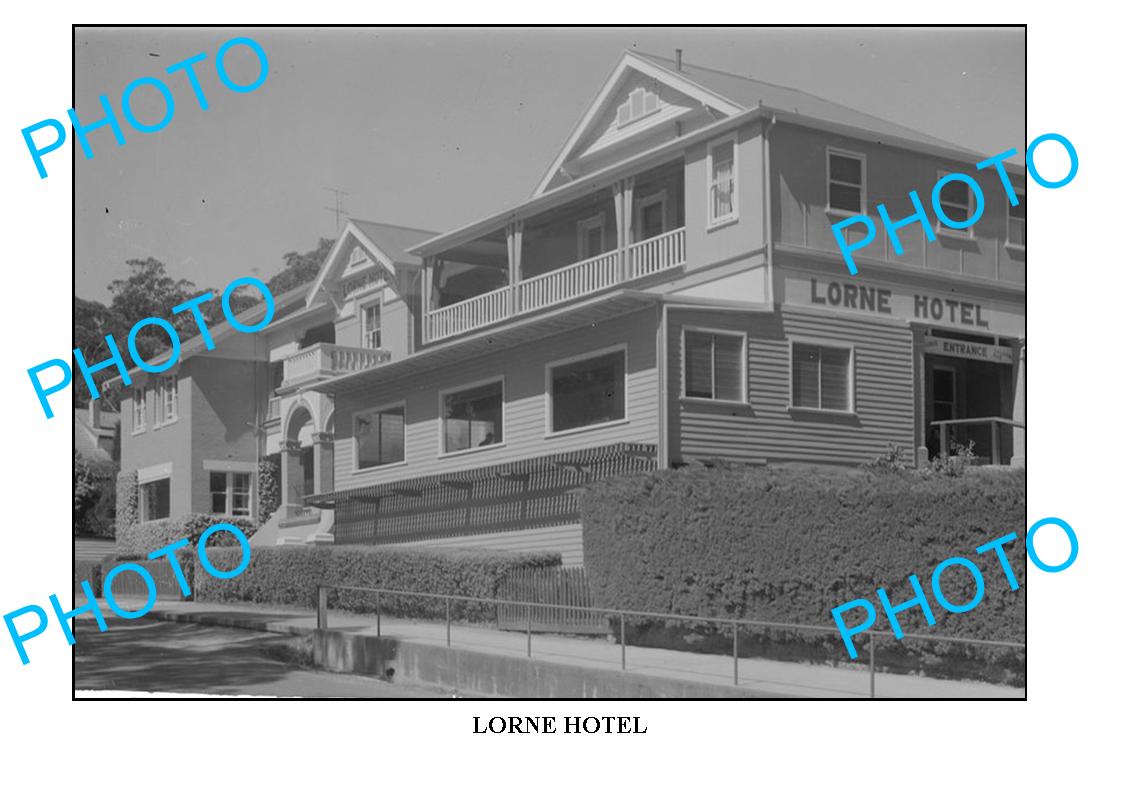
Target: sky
<point>436,127</point>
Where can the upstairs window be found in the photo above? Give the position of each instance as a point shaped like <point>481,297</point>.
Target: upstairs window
<point>846,172</point>
<point>587,392</point>
<point>821,377</point>
<point>957,200</point>
<point>472,417</point>
<point>723,197</point>
<point>372,324</point>
<point>641,102</point>
<point>714,365</point>
<point>380,437</point>
<point>140,410</point>
<point>1016,222</point>
<point>167,400</point>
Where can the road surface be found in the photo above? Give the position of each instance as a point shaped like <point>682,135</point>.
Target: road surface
<point>149,655</point>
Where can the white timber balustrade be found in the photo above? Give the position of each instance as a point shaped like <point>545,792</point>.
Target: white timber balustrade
<point>325,360</point>
<point>656,254</point>
<point>579,279</point>
<point>556,287</point>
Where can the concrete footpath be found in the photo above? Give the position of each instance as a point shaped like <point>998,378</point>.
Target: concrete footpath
<point>495,662</point>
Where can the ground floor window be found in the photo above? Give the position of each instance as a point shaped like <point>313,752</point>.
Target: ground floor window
<point>821,377</point>
<point>714,365</point>
<point>472,417</point>
<point>156,500</point>
<point>380,437</point>
<point>230,494</point>
<point>587,392</point>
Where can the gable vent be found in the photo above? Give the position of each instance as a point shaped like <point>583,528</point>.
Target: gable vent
<point>641,102</point>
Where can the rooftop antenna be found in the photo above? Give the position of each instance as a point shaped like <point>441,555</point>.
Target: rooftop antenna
<point>338,209</point>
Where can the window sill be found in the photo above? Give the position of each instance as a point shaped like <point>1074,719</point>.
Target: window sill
<point>811,410</point>
<point>713,226</point>
<point>580,429</point>
<point>694,399</point>
<point>378,467</point>
<point>1015,247</point>
<point>136,432</point>
<point>165,424</point>
<point>832,211</point>
<point>956,234</point>
<point>469,451</point>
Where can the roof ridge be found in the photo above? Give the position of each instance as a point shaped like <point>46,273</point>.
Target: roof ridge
<point>800,91</point>
<point>396,226</point>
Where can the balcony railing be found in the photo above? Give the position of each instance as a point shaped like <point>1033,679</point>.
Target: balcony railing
<point>325,360</point>
<point>555,287</point>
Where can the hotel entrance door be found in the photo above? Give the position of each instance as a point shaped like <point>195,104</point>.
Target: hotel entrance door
<point>972,390</point>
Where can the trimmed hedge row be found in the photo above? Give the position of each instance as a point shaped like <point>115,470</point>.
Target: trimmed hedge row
<point>789,543</point>
<point>288,575</point>
<point>139,539</point>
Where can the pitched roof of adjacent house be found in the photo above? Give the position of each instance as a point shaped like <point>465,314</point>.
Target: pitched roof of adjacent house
<point>86,437</point>
<point>749,92</point>
<point>394,241</point>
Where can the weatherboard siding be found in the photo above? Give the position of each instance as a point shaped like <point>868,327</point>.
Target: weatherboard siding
<point>766,427</point>
<point>523,370</point>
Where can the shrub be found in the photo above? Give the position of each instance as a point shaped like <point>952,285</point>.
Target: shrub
<point>289,574</point>
<point>93,486</point>
<point>268,488</point>
<point>141,538</point>
<point>788,544</point>
<point>128,501</point>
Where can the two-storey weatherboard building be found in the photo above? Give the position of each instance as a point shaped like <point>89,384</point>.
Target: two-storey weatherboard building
<point>670,293</point>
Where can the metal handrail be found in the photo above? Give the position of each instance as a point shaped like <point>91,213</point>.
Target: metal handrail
<point>993,422</point>
<point>621,613</point>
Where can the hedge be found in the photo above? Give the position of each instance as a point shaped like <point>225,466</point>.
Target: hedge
<point>289,574</point>
<point>139,539</point>
<point>788,544</point>
<point>128,501</point>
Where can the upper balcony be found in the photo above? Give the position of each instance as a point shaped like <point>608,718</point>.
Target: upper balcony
<point>326,360</point>
<point>607,238</point>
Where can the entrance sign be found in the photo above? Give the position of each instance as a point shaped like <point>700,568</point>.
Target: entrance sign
<point>1000,354</point>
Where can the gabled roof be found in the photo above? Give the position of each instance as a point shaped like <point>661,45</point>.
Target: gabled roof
<point>387,245</point>
<point>748,92</point>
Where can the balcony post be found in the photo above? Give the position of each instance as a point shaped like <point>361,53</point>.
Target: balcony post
<point>514,264</point>
<point>1018,455</point>
<point>622,198</point>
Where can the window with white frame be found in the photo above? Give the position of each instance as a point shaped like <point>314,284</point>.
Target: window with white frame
<point>1016,222</point>
<point>472,417</point>
<point>639,103</point>
<point>167,400</point>
<point>380,437</point>
<point>846,173</point>
<point>821,377</point>
<point>713,365</point>
<point>957,200</point>
<point>156,500</point>
<point>722,187</point>
<point>590,237</point>
<point>371,320</point>
<point>230,494</point>
<point>587,392</point>
<point>140,410</point>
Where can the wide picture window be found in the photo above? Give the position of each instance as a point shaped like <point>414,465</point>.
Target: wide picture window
<point>588,392</point>
<point>473,417</point>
